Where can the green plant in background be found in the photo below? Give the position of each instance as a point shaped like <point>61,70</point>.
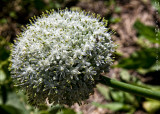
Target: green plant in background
<point>156,4</point>
<point>4,54</point>
<point>112,8</point>
<point>147,32</point>
<point>4,73</point>
<point>119,101</point>
<point>145,59</point>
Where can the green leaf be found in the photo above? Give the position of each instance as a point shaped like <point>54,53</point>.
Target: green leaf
<point>117,9</point>
<point>60,109</point>
<point>13,14</point>
<point>2,75</point>
<point>14,100</point>
<point>4,52</point>
<point>45,112</point>
<point>151,106</point>
<point>115,20</point>
<point>156,66</point>
<point>55,108</point>
<point>142,59</point>
<point>147,32</point>
<point>124,75</point>
<point>117,96</point>
<point>104,91</point>
<point>156,4</point>
<point>131,99</point>
<point>67,111</point>
<point>3,21</point>
<point>115,106</point>
<point>8,109</point>
<point>153,68</point>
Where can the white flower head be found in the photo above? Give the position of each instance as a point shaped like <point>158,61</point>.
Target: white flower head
<point>60,55</point>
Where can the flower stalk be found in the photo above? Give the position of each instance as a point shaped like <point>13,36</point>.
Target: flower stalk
<point>140,91</point>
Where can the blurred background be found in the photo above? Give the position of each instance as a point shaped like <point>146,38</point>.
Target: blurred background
<point>136,23</point>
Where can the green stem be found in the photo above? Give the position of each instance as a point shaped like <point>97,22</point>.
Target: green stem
<point>140,91</point>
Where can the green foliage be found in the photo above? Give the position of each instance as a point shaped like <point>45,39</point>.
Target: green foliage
<point>66,111</point>
<point>103,91</point>
<point>3,21</point>
<point>144,60</point>
<point>115,106</point>
<point>119,101</point>
<point>115,20</point>
<point>112,7</point>
<point>156,5</point>
<point>151,106</point>
<point>58,109</point>
<point>13,14</point>
<point>4,52</point>
<point>7,109</point>
<point>147,32</point>
<point>14,101</point>
<point>4,73</point>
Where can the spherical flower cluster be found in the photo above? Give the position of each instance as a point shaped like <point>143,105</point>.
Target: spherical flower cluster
<point>60,55</point>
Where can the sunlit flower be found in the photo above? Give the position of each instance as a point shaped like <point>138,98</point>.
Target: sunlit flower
<point>60,55</point>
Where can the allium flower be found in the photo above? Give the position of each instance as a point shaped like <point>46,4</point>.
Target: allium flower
<point>60,55</point>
